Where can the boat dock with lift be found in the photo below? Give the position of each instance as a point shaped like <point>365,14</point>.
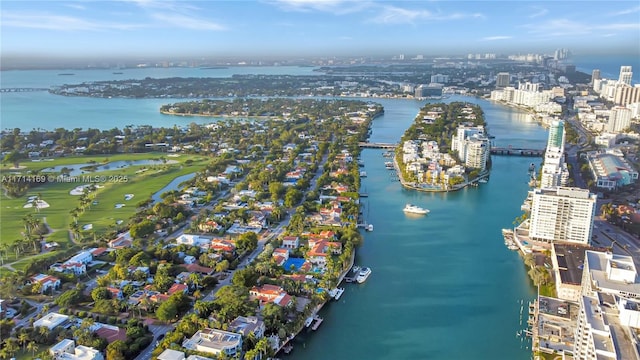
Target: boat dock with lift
<point>317,320</point>
<point>509,240</point>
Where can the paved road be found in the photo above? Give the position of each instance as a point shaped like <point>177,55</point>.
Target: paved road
<point>272,234</point>
<point>622,242</point>
<point>156,330</point>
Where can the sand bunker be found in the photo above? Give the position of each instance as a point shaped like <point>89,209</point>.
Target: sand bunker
<point>40,204</point>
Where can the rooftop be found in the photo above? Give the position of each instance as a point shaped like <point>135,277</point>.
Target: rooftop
<point>170,354</point>
<point>570,260</point>
<point>612,272</point>
<point>51,320</point>
<point>213,339</point>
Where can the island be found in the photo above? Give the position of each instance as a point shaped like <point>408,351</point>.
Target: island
<point>446,148</point>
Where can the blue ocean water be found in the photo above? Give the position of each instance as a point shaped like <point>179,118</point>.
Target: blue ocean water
<point>609,65</point>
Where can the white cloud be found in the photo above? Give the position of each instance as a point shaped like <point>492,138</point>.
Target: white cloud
<point>396,15</point>
<point>538,12</point>
<point>59,22</point>
<point>498,37</point>
<point>626,11</point>
<point>337,7</point>
<point>619,26</point>
<point>567,28</point>
<point>187,22</point>
<point>178,14</point>
<point>75,6</point>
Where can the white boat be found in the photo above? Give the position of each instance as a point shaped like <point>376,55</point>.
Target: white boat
<point>338,293</point>
<point>482,181</point>
<point>413,209</point>
<point>370,227</point>
<point>363,275</point>
<point>363,174</point>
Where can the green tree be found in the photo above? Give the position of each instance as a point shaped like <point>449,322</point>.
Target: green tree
<point>116,350</point>
<point>273,316</point>
<point>167,311</point>
<point>69,298</point>
<point>247,242</point>
<point>33,347</point>
<point>100,293</point>
<point>142,229</point>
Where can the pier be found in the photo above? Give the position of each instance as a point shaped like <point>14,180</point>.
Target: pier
<point>369,145</point>
<point>317,320</point>
<point>509,151</point>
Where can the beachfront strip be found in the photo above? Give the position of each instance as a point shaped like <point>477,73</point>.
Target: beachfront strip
<point>588,304</point>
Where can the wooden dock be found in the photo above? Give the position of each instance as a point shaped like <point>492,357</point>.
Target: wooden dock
<point>317,320</point>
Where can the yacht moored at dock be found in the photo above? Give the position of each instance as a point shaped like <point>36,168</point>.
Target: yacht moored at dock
<point>338,293</point>
<point>363,275</point>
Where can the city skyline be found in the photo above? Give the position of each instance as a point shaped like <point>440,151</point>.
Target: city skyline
<point>61,29</point>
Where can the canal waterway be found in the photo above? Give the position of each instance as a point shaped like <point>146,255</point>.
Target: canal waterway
<point>443,285</point>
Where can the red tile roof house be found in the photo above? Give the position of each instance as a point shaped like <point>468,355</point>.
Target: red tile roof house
<point>279,260</point>
<point>76,268</point>
<point>290,242</point>
<point>195,268</point>
<point>222,245</point>
<point>121,241</point>
<point>115,293</point>
<point>321,249</point>
<point>99,252</point>
<point>111,333</point>
<point>46,281</point>
<point>178,288</point>
<point>282,252</point>
<point>270,293</point>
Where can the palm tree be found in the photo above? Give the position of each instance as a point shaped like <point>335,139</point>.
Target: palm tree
<point>11,346</point>
<point>27,220</point>
<point>263,346</point>
<point>44,332</point>
<point>3,249</point>
<point>74,214</point>
<point>23,338</point>
<point>194,279</point>
<point>33,347</point>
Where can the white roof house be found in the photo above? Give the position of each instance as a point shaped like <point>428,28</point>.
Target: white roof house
<point>51,320</point>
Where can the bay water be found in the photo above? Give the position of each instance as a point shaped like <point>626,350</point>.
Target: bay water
<point>443,285</point>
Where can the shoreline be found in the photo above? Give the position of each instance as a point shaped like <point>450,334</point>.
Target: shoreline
<point>319,307</point>
<point>406,185</point>
<point>253,117</point>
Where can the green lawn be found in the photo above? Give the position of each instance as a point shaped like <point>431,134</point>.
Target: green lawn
<point>81,159</point>
<point>102,215</point>
<point>548,290</point>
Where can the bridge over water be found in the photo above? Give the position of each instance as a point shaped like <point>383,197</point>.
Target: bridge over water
<point>370,145</point>
<point>6,90</point>
<point>509,151</point>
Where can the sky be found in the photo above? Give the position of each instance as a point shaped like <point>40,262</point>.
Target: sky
<point>131,28</point>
